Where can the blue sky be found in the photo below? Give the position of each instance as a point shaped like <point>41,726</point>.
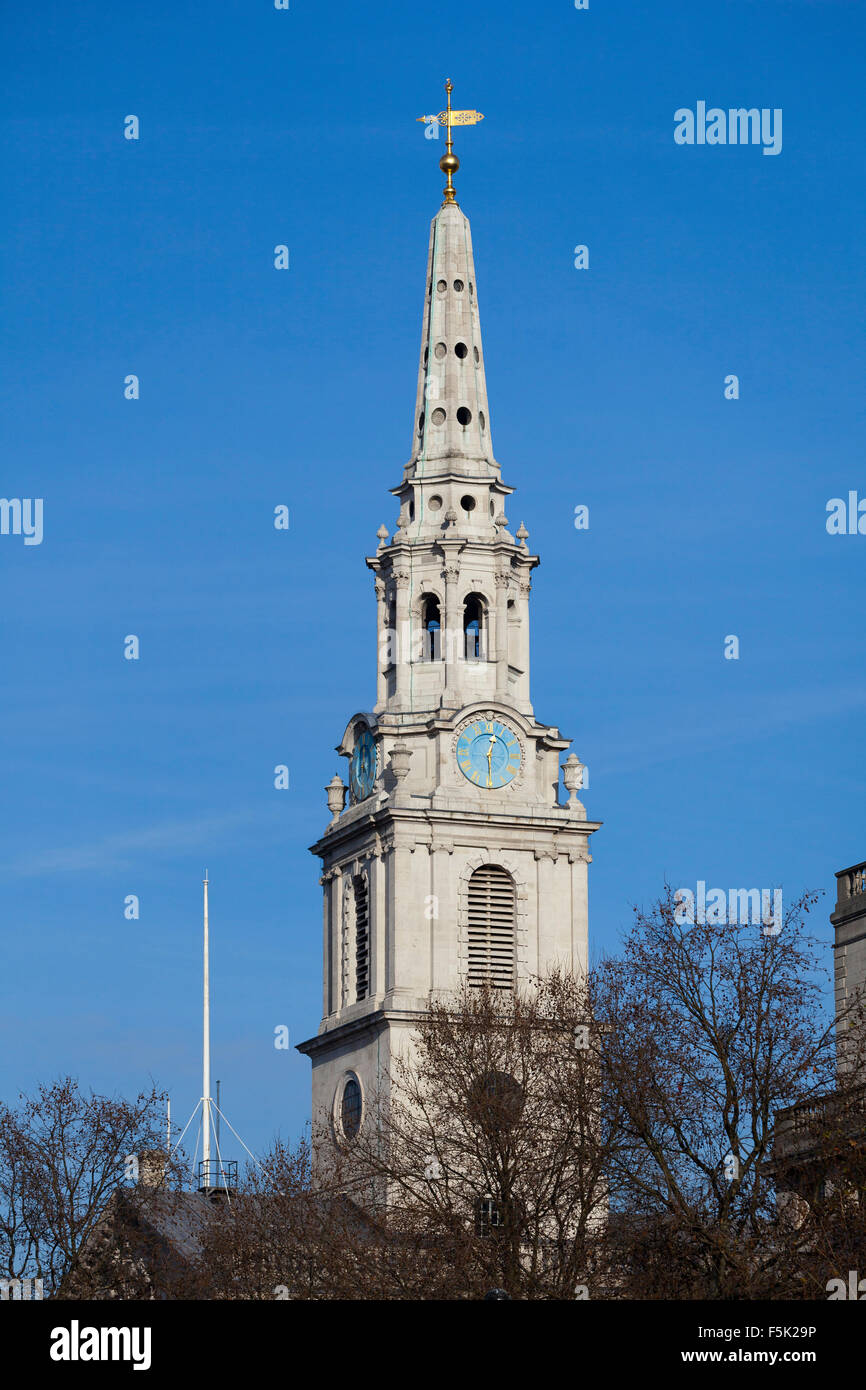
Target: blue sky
<point>261,387</point>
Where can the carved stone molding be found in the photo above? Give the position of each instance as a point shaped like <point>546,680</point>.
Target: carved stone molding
<point>447,846</point>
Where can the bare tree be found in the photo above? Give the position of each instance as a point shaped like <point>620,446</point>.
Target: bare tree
<point>488,1166</point>
<point>62,1155</point>
<point>670,1126</point>
<point>712,1029</point>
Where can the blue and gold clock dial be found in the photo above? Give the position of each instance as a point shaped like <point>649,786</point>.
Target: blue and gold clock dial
<point>362,775</point>
<point>488,753</point>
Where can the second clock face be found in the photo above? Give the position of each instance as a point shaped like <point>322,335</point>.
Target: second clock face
<point>363,769</point>
<point>488,753</point>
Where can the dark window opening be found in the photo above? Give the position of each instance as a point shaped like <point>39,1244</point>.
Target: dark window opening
<point>362,939</point>
<point>350,1109</point>
<point>488,1216</point>
<point>473,628</point>
<point>431,623</point>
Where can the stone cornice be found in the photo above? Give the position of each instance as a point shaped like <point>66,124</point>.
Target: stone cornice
<point>448,475</point>
<point>389,555</point>
<point>336,1036</point>
<point>399,827</point>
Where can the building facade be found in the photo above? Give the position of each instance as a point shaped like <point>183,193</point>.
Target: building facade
<point>455,859</point>
<point>820,1143</point>
<point>849,952</point>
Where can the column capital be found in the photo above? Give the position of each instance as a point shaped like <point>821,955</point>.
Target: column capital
<point>446,846</point>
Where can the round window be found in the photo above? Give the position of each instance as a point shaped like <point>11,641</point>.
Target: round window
<point>434,503</point>
<point>350,1107</point>
<point>458,285</point>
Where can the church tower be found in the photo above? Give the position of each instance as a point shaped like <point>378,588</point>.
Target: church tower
<point>455,859</point>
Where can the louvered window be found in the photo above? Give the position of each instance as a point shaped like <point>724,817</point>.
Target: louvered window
<point>491,927</point>
<point>362,939</point>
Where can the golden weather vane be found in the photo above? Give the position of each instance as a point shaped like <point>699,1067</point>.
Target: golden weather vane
<point>449,163</point>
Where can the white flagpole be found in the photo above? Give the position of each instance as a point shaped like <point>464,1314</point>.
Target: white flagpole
<point>206,1047</point>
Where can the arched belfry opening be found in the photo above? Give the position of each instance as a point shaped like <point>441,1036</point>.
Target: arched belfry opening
<point>431,625</point>
<point>473,628</point>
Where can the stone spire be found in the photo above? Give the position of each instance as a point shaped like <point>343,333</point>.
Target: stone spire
<point>452,417</point>
<point>452,584</point>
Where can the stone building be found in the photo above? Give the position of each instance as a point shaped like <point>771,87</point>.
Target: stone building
<point>849,950</point>
<point>821,1143</point>
<point>456,858</point>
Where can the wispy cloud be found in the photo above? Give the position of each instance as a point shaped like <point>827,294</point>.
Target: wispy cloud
<point>124,850</point>
<point>773,715</point>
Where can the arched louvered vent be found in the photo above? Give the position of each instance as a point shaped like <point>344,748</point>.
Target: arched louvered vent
<point>491,927</point>
<point>362,939</point>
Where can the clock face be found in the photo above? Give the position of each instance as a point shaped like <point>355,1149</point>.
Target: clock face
<point>363,769</point>
<point>488,753</point>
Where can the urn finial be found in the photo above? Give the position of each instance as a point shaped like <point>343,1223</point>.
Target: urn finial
<point>572,775</point>
<point>336,790</point>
